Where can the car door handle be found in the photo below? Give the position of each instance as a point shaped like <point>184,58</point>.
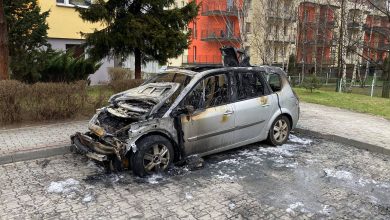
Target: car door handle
<point>266,105</point>
<point>228,112</point>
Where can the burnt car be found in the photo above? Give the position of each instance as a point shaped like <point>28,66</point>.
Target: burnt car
<point>184,112</point>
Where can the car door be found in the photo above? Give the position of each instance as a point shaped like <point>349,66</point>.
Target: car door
<point>253,105</point>
<point>212,123</point>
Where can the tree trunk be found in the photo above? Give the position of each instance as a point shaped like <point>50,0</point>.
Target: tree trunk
<point>386,89</point>
<point>4,51</point>
<point>386,84</point>
<point>137,63</point>
<point>340,49</point>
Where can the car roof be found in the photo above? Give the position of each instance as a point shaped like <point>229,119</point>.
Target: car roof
<point>266,69</point>
<point>202,71</point>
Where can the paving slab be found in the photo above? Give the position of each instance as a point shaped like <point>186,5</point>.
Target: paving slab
<point>34,142</point>
<point>358,129</point>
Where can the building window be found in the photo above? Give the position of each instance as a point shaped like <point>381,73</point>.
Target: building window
<point>72,3</point>
<point>194,31</point>
<point>248,27</point>
<point>285,30</point>
<point>194,48</point>
<point>77,50</point>
<point>247,49</point>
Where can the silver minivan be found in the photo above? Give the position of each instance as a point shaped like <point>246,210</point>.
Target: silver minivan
<point>195,111</point>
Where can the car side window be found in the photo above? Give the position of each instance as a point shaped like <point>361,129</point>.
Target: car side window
<point>209,92</point>
<point>249,85</point>
<point>274,82</point>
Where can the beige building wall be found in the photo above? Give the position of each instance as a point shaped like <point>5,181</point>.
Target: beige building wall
<point>272,32</point>
<point>178,61</point>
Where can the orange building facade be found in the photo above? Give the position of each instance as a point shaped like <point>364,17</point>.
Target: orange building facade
<point>217,25</point>
<point>315,41</point>
<point>376,38</point>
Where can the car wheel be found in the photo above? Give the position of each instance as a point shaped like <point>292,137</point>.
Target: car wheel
<point>154,154</point>
<point>279,131</point>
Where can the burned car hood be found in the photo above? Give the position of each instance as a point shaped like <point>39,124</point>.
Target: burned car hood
<point>141,101</point>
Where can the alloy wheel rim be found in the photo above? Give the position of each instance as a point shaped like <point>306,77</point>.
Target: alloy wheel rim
<point>280,130</point>
<point>156,158</point>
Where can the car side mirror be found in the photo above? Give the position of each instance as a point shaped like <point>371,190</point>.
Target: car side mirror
<point>189,109</point>
<point>186,110</point>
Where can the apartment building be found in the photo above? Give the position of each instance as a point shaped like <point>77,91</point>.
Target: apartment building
<point>217,25</point>
<point>310,30</point>
<point>271,31</point>
<point>65,27</point>
<point>316,44</point>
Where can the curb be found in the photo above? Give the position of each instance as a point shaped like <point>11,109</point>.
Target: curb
<point>36,154</point>
<point>346,141</point>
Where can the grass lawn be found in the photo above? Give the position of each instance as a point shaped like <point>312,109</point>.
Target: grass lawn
<point>354,102</point>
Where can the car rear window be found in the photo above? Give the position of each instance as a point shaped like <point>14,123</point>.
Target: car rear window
<point>274,81</point>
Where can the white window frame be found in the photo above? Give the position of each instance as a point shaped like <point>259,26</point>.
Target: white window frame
<point>67,4</point>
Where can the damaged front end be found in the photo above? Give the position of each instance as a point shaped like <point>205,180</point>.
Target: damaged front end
<point>114,129</point>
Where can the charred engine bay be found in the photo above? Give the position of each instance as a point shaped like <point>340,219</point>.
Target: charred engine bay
<point>130,109</point>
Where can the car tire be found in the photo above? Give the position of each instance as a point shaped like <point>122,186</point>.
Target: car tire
<point>279,131</point>
<point>154,154</point>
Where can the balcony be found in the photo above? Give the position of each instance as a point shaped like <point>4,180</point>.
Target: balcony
<point>322,24</point>
<point>219,35</point>
<point>318,43</point>
<point>202,60</point>
<point>354,25</point>
<point>382,46</point>
<point>275,39</point>
<point>275,16</point>
<point>219,8</point>
<point>377,29</point>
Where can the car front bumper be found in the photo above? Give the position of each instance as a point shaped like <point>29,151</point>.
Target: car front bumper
<point>95,150</point>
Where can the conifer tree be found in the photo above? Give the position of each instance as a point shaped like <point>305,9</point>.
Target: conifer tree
<point>4,54</point>
<point>148,29</point>
<point>27,37</point>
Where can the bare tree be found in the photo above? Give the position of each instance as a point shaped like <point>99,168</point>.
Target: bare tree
<point>341,66</point>
<point>354,37</point>
<point>383,7</point>
<point>260,33</point>
<point>4,51</point>
<point>272,31</point>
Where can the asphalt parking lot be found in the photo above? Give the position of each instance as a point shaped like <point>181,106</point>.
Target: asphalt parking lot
<point>306,178</point>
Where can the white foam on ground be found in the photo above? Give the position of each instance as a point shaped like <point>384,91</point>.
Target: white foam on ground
<point>253,155</point>
<point>293,207</point>
<point>65,186</point>
<point>339,174</point>
<point>326,210</point>
<point>62,186</point>
<point>224,176</point>
<point>298,140</point>
<point>88,198</point>
<point>154,179</point>
<point>189,196</point>
<point>115,178</point>
<point>285,150</point>
<point>229,161</point>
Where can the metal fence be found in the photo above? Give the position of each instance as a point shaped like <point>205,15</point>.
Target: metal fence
<point>372,86</point>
